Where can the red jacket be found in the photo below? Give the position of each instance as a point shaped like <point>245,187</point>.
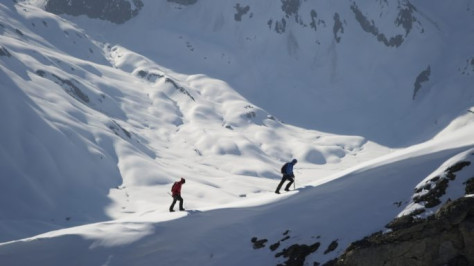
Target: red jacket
<point>176,189</point>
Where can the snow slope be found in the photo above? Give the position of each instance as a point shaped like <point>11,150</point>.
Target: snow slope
<point>99,124</point>
<point>346,209</point>
<point>88,141</point>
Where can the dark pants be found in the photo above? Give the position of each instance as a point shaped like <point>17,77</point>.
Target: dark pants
<point>176,198</point>
<point>283,179</point>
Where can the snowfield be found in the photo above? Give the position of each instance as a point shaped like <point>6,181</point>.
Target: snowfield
<point>101,119</point>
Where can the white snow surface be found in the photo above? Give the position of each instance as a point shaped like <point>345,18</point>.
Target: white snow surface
<point>100,119</point>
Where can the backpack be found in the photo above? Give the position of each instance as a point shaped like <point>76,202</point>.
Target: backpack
<point>283,168</point>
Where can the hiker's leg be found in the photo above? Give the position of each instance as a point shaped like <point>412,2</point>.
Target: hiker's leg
<point>289,184</point>
<point>281,184</point>
<point>174,202</point>
<point>181,201</point>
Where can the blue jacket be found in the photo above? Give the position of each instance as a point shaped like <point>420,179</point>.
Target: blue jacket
<point>289,169</point>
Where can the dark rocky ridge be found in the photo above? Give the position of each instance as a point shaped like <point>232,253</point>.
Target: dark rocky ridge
<point>116,11</point>
<point>184,2</point>
<point>447,238</point>
<point>369,26</point>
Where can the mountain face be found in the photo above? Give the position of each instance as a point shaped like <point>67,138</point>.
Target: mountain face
<point>393,59</point>
<point>107,103</point>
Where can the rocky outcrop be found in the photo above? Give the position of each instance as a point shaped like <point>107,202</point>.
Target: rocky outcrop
<point>468,68</point>
<point>369,26</point>
<point>290,7</point>
<point>430,192</point>
<point>4,52</point>
<point>184,2</point>
<point>294,254</point>
<point>116,11</point>
<point>446,238</point>
<point>424,76</point>
<point>338,27</point>
<point>71,87</point>
<point>240,11</point>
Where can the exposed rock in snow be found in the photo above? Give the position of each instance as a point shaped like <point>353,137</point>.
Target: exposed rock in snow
<point>116,11</point>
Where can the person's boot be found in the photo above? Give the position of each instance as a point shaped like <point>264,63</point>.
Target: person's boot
<point>277,192</point>
<point>171,210</point>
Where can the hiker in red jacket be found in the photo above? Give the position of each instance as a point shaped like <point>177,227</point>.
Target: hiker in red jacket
<point>176,194</point>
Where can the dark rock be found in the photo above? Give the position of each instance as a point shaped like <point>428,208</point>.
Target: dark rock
<point>424,76</point>
<point>270,23</point>
<point>331,247</point>
<point>330,262</point>
<point>406,18</point>
<point>116,11</point>
<point>458,261</point>
<point>338,28</point>
<point>179,88</point>
<point>184,2</point>
<point>280,26</point>
<point>369,26</point>
<point>437,186</point>
<point>447,238</point>
<point>469,186</point>
<point>297,254</point>
<point>241,10</point>
<point>258,243</point>
<point>290,7</point>
<point>431,198</point>
<point>456,211</point>
<point>70,86</point>
<point>458,166</point>
<point>275,246</point>
<point>315,22</point>
<point>4,52</point>
<point>119,130</point>
<point>314,16</point>
<point>149,76</point>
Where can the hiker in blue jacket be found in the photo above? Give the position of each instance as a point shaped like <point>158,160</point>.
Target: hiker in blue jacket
<point>287,171</point>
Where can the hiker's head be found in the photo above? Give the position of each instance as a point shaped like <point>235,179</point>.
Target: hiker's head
<point>294,161</point>
<point>183,180</point>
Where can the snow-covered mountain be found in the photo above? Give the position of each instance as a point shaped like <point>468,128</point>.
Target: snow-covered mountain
<point>107,103</point>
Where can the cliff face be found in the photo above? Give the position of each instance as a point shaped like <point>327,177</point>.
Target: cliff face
<point>446,238</point>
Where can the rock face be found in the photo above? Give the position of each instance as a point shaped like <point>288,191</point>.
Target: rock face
<point>446,238</point>
<point>116,11</point>
<point>184,2</point>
